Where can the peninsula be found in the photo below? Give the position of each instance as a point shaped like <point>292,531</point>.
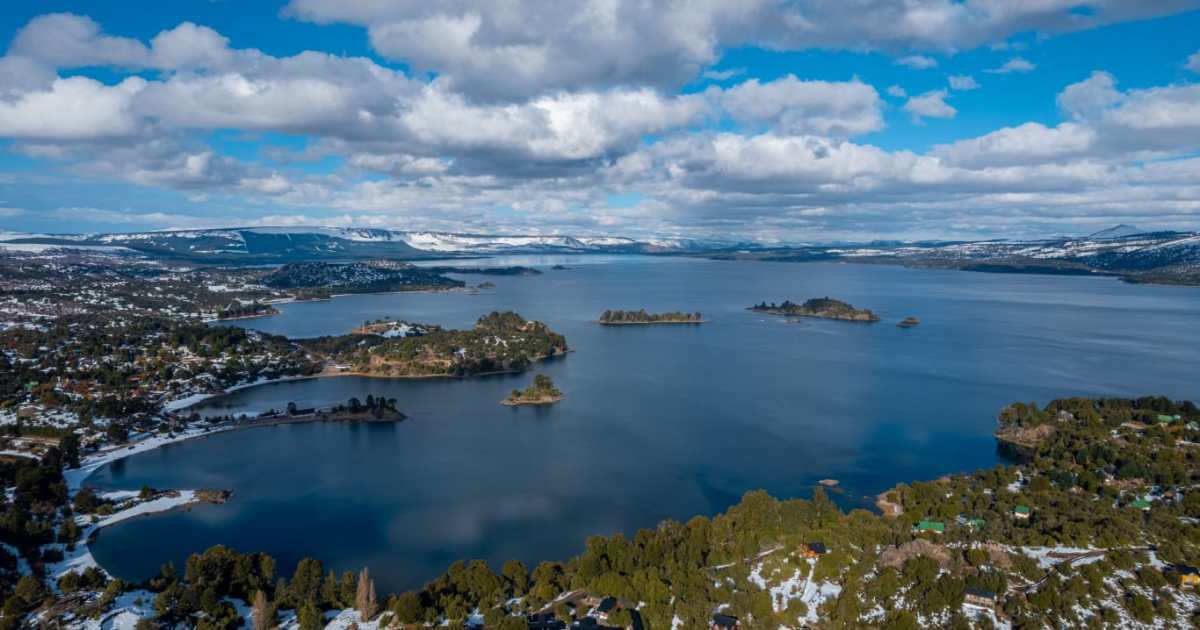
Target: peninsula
<point>639,317</point>
<point>825,308</point>
<point>541,392</point>
<point>499,342</point>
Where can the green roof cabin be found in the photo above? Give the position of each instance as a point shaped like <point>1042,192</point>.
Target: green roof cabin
<point>936,527</point>
<point>1165,419</point>
<point>1140,504</point>
<point>976,523</point>
<point>1022,511</point>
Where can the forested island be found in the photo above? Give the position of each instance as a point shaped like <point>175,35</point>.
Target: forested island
<point>909,322</point>
<point>619,318</point>
<point>238,310</point>
<point>1097,526</point>
<point>499,342</point>
<point>825,308</point>
<point>541,392</point>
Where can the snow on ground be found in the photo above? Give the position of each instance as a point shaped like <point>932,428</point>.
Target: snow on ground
<point>800,587</point>
<point>80,558</point>
<point>75,476</point>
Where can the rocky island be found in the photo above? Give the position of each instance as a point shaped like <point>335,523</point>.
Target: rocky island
<point>825,308</point>
<point>909,322</point>
<point>541,392</point>
<point>639,317</point>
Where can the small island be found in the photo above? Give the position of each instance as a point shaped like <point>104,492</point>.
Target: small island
<point>541,392</point>
<point>825,308</point>
<point>909,322</point>
<point>639,317</point>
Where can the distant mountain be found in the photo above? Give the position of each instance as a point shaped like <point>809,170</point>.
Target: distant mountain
<point>1164,257</point>
<point>288,244</point>
<point>1117,231</point>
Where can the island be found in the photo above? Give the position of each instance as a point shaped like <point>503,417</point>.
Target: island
<point>825,308</point>
<point>394,328</point>
<point>541,392</point>
<point>499,343</point>
<point>909,322</point>
<point>640,317</point>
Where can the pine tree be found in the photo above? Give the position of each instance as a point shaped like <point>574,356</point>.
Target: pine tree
<point>364,599</point>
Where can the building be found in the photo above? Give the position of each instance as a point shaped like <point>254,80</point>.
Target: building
<point>606,607</point>
<point>544,621</point>
<point>813,549</point>
<point>1022,512</point>
<point>725,622</point>
<point>1140,504</point>
<point>936,527</point>
<point>1189,576</point>
<point>980,597</point>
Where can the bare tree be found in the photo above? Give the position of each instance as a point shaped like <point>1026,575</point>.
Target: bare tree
<point>261,612</point>
<point>364,598</point>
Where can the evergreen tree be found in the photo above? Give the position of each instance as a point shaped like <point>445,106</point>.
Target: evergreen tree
<point>364,599</point>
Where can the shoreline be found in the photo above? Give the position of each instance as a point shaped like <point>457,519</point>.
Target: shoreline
<point>698,321</point>
<point>543,401</point>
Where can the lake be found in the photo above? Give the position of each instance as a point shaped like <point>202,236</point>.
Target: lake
<point>659,421</point>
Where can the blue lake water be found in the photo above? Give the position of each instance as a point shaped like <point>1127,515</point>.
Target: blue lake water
<point>659,421</point>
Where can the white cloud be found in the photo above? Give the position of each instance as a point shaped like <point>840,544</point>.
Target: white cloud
<point>723,75</point>
<point>75,108</point>
<point>897,91</point>
<point>515,48</point>
<point>930,105</point>
<point>1025,144</point>
<point>1018,65</point>
<point>1193,62</point>
<point>822,107</point>
<point>963,82</point>
<point>918,62</point>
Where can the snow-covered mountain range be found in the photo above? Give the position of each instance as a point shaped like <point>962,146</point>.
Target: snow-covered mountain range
<point>1122,250</point>
<point>296,243</point>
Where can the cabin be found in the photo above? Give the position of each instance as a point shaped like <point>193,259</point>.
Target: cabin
<point>976,523</point>
<point>1189,576</point>
<point>936,527</point>
<point>813,550</point>
<point>606,607</point>
<point>1165,419</point>
<point>544,621</point>
<point>1022,512</point>
<point>980,597</point>
<point>1140,504</point>
<point>725,622</point>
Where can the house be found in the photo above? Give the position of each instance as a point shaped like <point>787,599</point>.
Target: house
<point>1189,576</point>
<point>1140,504</point>
<point>725,622</point>
<point>976,523</point>
<point>1165,419</point>
<point>937,527</point>
<point>980,597</point>
<point>544,621</point>
<point>1022,512</point>
<point>813,549</point>
<point>606,607</point>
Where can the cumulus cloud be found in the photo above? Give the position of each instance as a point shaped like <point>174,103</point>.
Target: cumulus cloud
<point>1018,65</point>
<point>917,62</point>
<point>821,107</point>
<point>930,105</point>
<point>508,49</point>
<point>1193,62</point>
<point>547,123</point>
<point>963,82</point>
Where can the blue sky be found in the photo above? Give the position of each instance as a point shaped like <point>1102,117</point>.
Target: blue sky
<point>779,120</point>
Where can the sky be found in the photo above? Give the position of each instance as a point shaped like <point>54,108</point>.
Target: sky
<point>779,121</point>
